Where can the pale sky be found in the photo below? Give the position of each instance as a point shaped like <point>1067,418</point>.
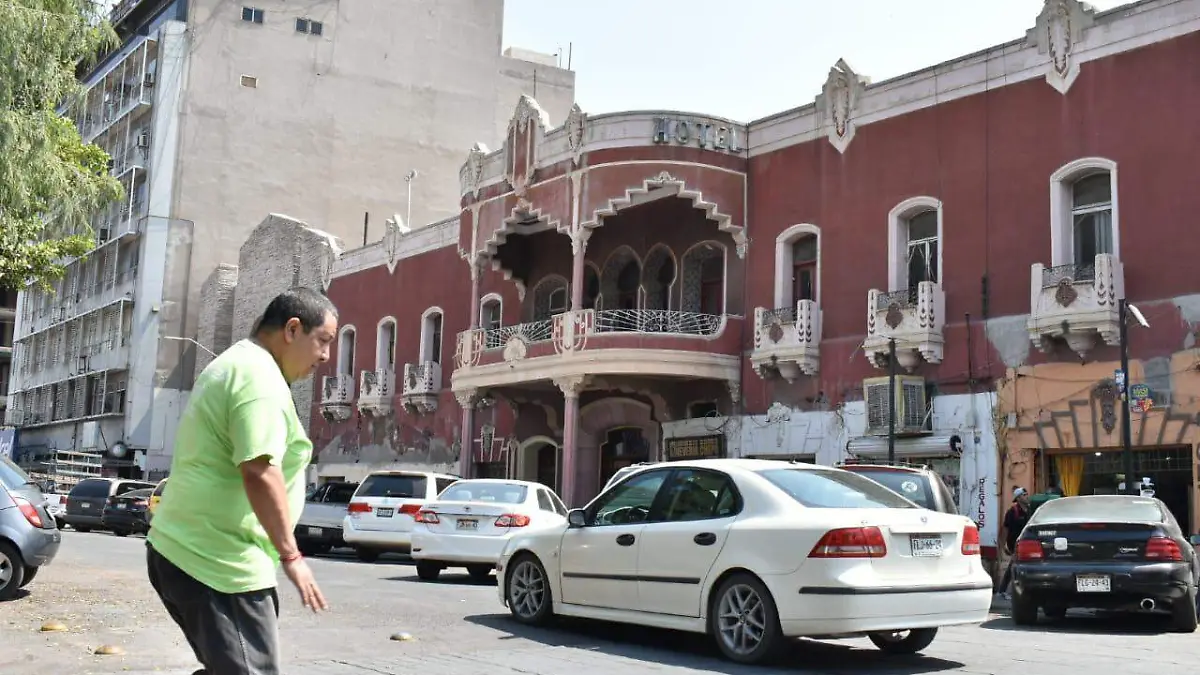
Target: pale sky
<point>746,59</point>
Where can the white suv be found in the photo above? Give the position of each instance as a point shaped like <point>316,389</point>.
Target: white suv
<point>382,511</point>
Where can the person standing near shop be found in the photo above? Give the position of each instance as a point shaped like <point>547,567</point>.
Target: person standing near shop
<point>1015,520</point>
<point>237,490</point>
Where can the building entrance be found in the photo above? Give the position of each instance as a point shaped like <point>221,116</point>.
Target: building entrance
<point>622,447</point>
<point>1102,472</point>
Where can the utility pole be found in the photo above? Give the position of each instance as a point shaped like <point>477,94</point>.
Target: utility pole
<point>408,178</point>
<point>891,400</point>
<point>1126,431</point>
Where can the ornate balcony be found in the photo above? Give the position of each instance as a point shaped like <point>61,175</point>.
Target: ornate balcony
<point>914,319</point>
<point>787,340</point>
<point>1077,303</point>
<point>375,391</point>
<point>422,384</point>
<point>336,397</point>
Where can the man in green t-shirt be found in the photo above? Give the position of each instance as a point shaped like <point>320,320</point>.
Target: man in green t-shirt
<point>237,490</point>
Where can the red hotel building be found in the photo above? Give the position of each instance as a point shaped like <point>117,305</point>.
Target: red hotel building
<point>614,284</point>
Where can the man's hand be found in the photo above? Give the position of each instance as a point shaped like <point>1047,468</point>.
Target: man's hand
<point>301,576</point>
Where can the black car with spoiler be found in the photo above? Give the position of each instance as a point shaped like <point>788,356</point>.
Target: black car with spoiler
<point>1109,552</point>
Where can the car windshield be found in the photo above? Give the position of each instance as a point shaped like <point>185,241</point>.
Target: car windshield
<point>833,489</point>
<point>13,476</point>
<point>1100,508</point>
<point>485,491</point>
<point>907,484</point>
<point>392,485</point>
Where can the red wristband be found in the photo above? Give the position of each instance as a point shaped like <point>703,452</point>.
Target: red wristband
<point>290,557</point>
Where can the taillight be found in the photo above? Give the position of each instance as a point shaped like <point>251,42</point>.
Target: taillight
<point>141,502</point>
<point>970,540</point>
<point>1163,549</point>
<point>1030,549</point>
<point>512,520</point>
<point>427,517</point>
<point>29,511</point>
<point>359,507</point>
<point>411,509</point>
<point>851,542</point>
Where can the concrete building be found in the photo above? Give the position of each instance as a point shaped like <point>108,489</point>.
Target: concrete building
<point>346,114</point>
<point>8,325</point>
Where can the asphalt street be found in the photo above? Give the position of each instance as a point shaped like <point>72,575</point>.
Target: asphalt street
<point>97,588</point>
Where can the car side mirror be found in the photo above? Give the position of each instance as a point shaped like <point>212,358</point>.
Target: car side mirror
<point>576,518</point>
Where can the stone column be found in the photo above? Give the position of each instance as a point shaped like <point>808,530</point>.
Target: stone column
<point>571,388</point>
<point>467,399</point>
<point>475,264</point>
<point>578,248</point>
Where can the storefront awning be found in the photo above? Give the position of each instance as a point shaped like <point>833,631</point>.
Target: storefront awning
<point>945,445</point>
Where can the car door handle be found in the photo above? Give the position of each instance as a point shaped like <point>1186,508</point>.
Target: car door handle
<point>705,539</point>
<point>625,540</point>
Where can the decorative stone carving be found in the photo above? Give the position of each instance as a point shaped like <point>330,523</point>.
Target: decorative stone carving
<point>778,413</point>
<point>525,132</point>
<point>1058,32</point>
<point>895,316</point>
<point>331,256</point>
<point>466,398</point>
<point>471,174</point>
<point>576,127</point>
<point>516,349</point>
<point>735,391</point>
<point>1105,393</point>
<point>839,100</point>
<point>741,244</point>
<point>1065,294</point>
<point>570,330</point>
<point>395,229</point>
<point>572,386</point>
<point>663,177</point>
<point>336,413</point>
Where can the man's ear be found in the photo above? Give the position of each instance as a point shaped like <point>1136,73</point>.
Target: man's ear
<point>292,329</point>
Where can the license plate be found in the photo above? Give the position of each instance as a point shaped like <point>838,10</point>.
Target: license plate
<point>385,513</point>
<point>1093,583</point>
<point>86,505</point>
<point>464,524</point>
<point>314,531</point>
<point>926,547</point>
<point>121,506</point>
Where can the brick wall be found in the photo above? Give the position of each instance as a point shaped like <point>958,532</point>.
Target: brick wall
<point>216,313</point>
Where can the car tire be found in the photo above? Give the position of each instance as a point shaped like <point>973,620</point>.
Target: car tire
<point>314,549</point>
<point>83,529</point>
<point>30,573</point>
<point>741,597</point>
<point>366,555</point>
<point>527,590</point>
<point>480,573</point>
<point>915,641</point>
<point>1024,611</point>
<point>60,523</point>
<point>12,571</point>
<point>120,533</point>
<point>1183,613</point>
<point>428,571</point>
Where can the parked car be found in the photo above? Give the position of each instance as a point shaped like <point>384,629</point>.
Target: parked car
<point>383,510</point>
<point>471,522</point>
<point>319,529</point>
<point>86,501</point>
<point>128,513</point>
<point>29,537</point>
<point>753,552</point>
<point>625,471</point>
<point>1113,552</point>
<point>919,484</point>
<point>56,504</point>
<point>155,498</point>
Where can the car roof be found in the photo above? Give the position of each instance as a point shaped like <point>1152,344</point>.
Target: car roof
<point>895,468</point>
<point>404,472</point>
<point>506,481</point>
<point>738,464</point>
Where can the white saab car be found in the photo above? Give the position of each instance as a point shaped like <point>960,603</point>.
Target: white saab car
<point>472,521</point>
<point>754,552</point>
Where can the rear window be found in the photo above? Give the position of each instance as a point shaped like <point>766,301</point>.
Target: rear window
<point>159,489</point>
<point>143,493</point>
<point>823,489</point>
<point>1098,509</point>
<point>907,484</point>
<point>11,475</point>
<point>341,494</point>
<point>486,491</point>
<point>92,487</point>
<point>392,485</point>
<point>122,488</point>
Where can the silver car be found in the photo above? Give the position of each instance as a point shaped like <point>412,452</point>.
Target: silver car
<point>29,536</point>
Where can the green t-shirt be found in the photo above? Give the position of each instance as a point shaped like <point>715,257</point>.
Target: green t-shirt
<point>240,408</point>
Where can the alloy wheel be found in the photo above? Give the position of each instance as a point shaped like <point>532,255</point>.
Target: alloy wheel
<point>6,570</point>
<point>527,589</point>
<point>742,619</point>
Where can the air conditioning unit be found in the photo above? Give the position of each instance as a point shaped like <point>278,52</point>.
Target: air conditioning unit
<point>143,139</point>
<point>912,405</point>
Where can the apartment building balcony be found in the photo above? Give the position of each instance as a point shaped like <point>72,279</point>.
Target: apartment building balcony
<point>337,396</point>
<point>124,91</point>
<point>914,318</point>
<point>1076,303</point>
<point>421,387</point>
<point>375,391</point>
<point>108,354</point>
<point>787,340</point>
<point>115,289</point>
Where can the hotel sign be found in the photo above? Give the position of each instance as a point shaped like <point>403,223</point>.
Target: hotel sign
<point>700,133</point>
<point>697,447</point>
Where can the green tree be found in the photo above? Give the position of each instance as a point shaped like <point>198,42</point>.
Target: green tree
<point>50,181</point>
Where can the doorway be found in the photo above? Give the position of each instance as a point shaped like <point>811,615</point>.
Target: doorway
<point>622,447</point>
<point>541,461</point>
<point>1102,472</point>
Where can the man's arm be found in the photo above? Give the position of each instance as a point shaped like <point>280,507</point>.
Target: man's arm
<point>267,493</point>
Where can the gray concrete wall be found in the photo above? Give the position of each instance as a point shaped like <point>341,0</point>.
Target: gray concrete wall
<point>216,313</point>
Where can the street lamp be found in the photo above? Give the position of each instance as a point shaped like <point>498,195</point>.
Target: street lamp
<point>188,339</point>
<point>408,178</point>
<point>1124,309</point>
<point>891,400</point>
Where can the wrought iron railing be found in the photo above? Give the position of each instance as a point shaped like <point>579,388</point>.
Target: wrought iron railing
<point>1053,276</point>
<point>657,321</point>
<point>903,298</point>
<point>534,331</point>
<point>784,315</point>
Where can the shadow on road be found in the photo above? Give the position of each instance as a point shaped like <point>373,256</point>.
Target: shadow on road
<point>695,651</point>
<point>449,577</point>
<point>1089,624</point>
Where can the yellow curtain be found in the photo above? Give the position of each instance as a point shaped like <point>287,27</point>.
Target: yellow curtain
<point>1070,473</point>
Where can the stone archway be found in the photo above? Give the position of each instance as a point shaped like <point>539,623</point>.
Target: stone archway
<point>596,419</point>
<point>540,461</point>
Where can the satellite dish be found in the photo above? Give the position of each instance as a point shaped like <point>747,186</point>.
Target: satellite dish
<point>118,450</point>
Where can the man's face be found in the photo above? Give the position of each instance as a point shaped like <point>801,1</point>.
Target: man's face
<point>306,350</point>
<point>1023,500</point>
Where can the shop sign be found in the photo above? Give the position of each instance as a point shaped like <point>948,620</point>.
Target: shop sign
<point>1140,398</point>
<point>696,447</point>
<point>703,134</point>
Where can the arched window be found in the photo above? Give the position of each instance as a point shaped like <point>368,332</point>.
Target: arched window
<point>346,347</point>
<point>491,312</point>
<point>658,277</point>
<point>551,296</point>
<point>1084,212</point>
<point>798,265</point>
<point>385,345</point>
<point>1091,217</point>
<point>628,281</point>
<point>704,279</point>
<point>914,244</point>
<point>620,280</point>
<point>431,336</point>
<point>591,287</point>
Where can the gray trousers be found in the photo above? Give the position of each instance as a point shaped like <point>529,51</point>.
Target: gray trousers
<point>231,634</point>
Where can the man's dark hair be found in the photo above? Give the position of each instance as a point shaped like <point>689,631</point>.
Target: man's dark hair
<point>305,304</point>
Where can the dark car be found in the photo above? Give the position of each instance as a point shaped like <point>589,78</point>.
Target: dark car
<point>86,501</point>
<point>128,513</point>
<point>1110,552</point>
<point>918,484</point>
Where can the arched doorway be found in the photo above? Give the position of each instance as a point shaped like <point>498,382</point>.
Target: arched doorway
<point>613,432</point>
<point>622,447</point>
<point>541,462</point>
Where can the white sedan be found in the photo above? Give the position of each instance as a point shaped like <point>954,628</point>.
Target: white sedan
<point>753,552</point>
<point>471,522</point>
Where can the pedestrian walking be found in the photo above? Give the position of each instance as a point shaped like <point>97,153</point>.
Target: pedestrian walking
<point>237,490</point>
<point>1015,520</point>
